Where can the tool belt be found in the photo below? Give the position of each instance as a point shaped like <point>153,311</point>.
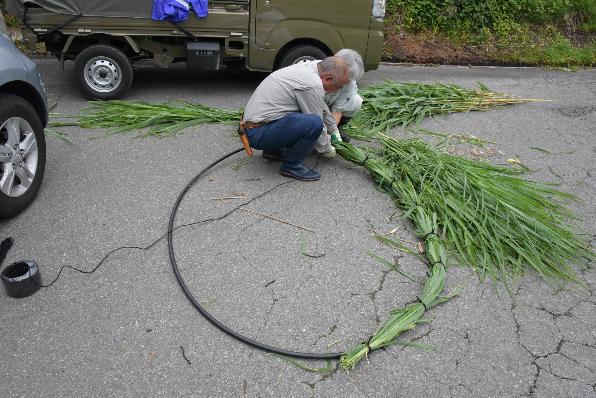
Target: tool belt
<point>242,127</point>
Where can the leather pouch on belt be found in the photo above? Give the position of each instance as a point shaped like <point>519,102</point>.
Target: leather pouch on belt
<point>244,139</point>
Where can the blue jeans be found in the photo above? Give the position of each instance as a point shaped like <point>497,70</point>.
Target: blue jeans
<point>295,132</point>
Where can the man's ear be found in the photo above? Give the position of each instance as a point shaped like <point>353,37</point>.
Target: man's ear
<point>329,78</point>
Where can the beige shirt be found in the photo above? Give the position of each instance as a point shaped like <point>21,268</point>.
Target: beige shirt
<point>296,88</point>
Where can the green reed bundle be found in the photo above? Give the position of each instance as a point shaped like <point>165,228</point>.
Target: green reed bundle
<point>151,119</point>
<point>403,319</point>
<point>496,222</point>
<point>392,104</point>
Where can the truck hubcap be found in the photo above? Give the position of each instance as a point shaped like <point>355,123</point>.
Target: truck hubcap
<point>304,58</point>
<point>18,157</point>
<point>102,74</point>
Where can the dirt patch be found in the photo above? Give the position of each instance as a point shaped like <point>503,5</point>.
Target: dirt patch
<point>403,47</point>
<point>428,48</point>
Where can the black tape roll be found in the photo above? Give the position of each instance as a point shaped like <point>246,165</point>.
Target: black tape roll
<point>21,279</point>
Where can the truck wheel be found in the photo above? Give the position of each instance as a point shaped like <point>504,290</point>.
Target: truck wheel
<point>104,72</point>
<point>22,154</point>
<point>304,52</point>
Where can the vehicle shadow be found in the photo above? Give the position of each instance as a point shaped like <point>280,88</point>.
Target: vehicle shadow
<point>179,78</point>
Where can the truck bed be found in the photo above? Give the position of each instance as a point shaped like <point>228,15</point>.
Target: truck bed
<point>234,19</point>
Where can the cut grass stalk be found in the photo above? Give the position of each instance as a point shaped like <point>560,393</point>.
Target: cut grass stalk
<point>159,120</point>
<point>328,368</point>
<point>394,104</point>
<point>447,137</point>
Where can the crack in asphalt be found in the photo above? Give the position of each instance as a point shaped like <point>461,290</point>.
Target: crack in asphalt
<point>468,389</point>
<point>458,361</point>
<point>333,327</point>
<point>275,300</point>
<point>535,358</point>
<point>373,295</point>
<point>312,388</point>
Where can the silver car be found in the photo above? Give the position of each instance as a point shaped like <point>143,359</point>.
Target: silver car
<point>23,117</point>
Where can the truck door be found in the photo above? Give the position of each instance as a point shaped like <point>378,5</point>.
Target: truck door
<point>277,26</point>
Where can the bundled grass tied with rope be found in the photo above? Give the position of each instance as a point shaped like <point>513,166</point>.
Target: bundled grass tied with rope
<point>491,219</point>
<point>159,120</point>
<point>392,104</point>
<point>403,319</point>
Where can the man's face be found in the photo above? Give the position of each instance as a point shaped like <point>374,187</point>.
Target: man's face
<point>332,84</point>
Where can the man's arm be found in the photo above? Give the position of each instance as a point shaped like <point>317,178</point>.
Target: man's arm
<point>310,102</point>
<point>337,117</point>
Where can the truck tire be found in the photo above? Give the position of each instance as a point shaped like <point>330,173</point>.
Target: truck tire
<point>104,72</point>
<point>303,52</point>
<point>22,154</point>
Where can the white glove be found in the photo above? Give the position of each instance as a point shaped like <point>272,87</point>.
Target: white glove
<point>336,137</point>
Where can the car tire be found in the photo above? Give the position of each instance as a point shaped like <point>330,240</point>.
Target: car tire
<point>22,154</point>
<point>301,53</point>
<point>104,72</point>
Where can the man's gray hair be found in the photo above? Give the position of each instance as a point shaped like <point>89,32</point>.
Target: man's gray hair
<point>333,66</point>
<point>354,61</point>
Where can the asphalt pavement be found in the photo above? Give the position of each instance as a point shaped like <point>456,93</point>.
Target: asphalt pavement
<point>127,330</point>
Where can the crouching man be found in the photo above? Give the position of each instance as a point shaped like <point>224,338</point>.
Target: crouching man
<point>345,102</point>
<point>287,113</point>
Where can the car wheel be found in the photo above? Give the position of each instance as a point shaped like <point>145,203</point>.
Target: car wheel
<point>301,53</point>
<point>104,72</point>
<point>22,154</point>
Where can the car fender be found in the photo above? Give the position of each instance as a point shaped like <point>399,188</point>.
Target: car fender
<point>11,63</point>
<point>289,30</point>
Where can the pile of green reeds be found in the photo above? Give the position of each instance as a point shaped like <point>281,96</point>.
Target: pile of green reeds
<point>149,119</point>
<point>392,104</point>
<point>490,218</point>
<point>494,221</point>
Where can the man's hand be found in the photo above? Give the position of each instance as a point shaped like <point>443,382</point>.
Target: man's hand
<point>335,137</point>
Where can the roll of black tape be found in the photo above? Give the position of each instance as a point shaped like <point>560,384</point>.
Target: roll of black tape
<point>21,279</point>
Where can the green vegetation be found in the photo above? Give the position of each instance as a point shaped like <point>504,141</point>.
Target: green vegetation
<point>401,320</point>
<point>394,104</point>
<point>474,16</point>
<point>158,120</point>
<point>470,212</point>
<point>558,33</point>
<point>484,215</point>
<point>10,21</point>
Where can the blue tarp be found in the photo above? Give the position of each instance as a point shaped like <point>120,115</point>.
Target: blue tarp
<point>178,10</point>
<point>200,7</point>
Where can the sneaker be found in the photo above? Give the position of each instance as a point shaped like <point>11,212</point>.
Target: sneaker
<point>300,172</point>
<point>344,137</point>
<point>273,156</point>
